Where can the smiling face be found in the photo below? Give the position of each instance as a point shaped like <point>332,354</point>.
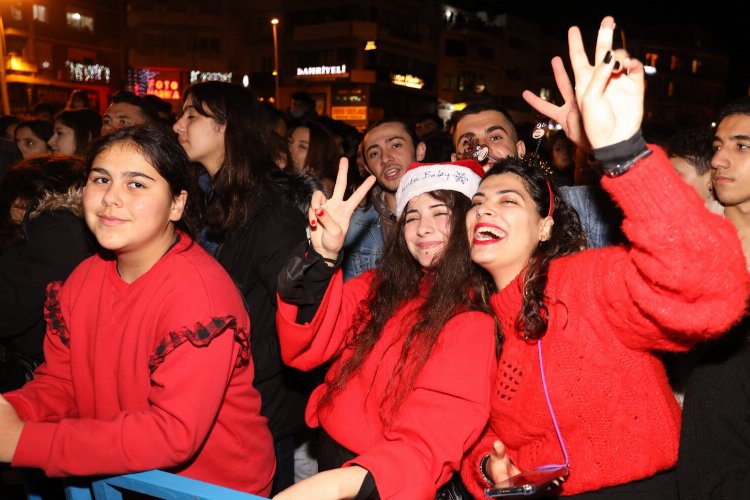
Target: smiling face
<point>427,228</point>
<point>730,165</point>
<point>29,143</point>
<point>389,150</point>
<point>504,226</point>
<point>63,140</point>
<point>487,128</point>
<point>128,206</point>
<point>201,138</point>
<point>299,144</point>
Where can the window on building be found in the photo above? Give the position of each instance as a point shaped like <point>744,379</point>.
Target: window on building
<point>455,48</point>
<point>486,53</point>
<point>650,59</point>
<point>675,63</point>
<point>695,65</point>
<point>40,13</point>
<point>16,13</point>
<point>670,89</point>
<point>79,21</point>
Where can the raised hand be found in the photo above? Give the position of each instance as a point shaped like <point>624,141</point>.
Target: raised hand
<point>610,92</point>
<point>329,218</point>
<point>568,115</point>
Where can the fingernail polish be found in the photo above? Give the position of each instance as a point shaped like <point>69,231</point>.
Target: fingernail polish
<point>313,223</point>
<point>319,212</point>
<point>617,65</point>
<point>608,57</point>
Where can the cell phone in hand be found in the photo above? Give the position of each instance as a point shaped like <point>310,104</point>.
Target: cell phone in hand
<point>529,482</point>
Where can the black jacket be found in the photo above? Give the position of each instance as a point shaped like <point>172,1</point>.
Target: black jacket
<point>55,241</point>
<point>253,257</point>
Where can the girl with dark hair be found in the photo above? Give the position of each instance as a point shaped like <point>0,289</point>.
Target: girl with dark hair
<point>74,130</point>
<point>31,137</point>
<point>251,224</point>
<point>313,150</point>
<point>409,343</point>
<point>147,349</point>
<point>581,388</point>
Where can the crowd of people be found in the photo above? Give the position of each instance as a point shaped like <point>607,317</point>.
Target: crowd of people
<point>273,302</point>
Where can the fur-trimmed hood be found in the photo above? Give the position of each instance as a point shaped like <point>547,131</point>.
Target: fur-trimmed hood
<point>71,201</point>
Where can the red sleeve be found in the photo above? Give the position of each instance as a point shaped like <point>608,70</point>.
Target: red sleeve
<point>443,416</point>
<point>681,296</point>
<point>49,396</point>
<point>308,346</point>
<point>187,387</point>
<point>470,474</point>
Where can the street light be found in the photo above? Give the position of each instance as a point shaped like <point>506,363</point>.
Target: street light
<point>3,81</point>
<point>274,24</point>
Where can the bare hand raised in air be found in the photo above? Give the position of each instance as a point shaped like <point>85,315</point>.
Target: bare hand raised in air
<point>609,93</point>
<point>329,218</point>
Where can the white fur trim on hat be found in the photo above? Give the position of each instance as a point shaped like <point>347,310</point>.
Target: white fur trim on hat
<point>425,178</point>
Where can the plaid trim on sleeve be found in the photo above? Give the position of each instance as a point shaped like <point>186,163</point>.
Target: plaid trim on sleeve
<point>53,315</point>
<point>201,334</point>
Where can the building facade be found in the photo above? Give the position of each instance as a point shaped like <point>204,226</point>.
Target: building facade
<point>52,48</point>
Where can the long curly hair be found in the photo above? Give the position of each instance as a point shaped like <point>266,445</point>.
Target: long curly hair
<point>566,237</point>
<point>455,285</point>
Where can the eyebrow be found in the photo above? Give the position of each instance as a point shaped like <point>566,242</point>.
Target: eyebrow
<point>389,139</point>
<point>129,173</point>
<point>436,205</point>
<point>501,192</point>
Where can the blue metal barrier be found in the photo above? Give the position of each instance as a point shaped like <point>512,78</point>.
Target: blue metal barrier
<point>156,483</point>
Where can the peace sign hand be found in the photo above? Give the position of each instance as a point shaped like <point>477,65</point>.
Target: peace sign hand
<point>329,218</point>
<point>610,93</point>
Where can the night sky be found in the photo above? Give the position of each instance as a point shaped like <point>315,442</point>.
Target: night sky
<point>726,27</point>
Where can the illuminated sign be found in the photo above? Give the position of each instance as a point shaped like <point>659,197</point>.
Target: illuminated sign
<point>210,76</point>
<point>349,112</point>
<point>87,72</point>
<point>163,84</point>
<point>166,89</point>
<point>322,71</point>
<point>407,81</point>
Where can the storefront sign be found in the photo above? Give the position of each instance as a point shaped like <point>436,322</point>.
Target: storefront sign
<point>407,81</point>
<point>349,112</point>
<point>317,71</point>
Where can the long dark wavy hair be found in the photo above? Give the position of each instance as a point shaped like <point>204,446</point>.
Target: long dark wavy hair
<point>566,237</point>
<point>455,285</point>
<point>249,158</point>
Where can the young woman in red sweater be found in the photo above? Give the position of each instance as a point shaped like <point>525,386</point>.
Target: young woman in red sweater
<point>147,361</point>
<point>408,343</point>
<point>580,382</point>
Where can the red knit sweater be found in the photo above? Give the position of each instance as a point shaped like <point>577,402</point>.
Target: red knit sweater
<point>682,280</point>
<point>442,416</point>
<point>147,375</point>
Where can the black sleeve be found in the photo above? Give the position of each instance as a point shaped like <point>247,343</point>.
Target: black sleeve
<point>368,490</point>
<point>714,455</point>
<point>304,279</point>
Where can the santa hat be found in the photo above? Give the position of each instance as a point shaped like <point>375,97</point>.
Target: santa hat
<point>462,176</point>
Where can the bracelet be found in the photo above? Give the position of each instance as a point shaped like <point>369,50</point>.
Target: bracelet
<point>483,469</point>
<point>330,262</point>
<point>621,168</point>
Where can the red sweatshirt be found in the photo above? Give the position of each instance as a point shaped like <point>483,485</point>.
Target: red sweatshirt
<point>152,374</point>
<point>444,413</point>
<point>682,280</point>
